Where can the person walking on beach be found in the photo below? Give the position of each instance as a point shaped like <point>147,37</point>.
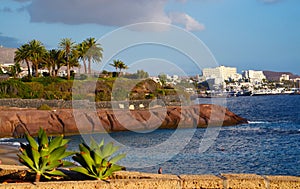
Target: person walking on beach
<point>159,171</point>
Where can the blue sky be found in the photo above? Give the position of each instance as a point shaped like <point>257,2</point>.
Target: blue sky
<point>247,34</point>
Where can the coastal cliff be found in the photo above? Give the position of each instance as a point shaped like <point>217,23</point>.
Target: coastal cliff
<point>16,122</point>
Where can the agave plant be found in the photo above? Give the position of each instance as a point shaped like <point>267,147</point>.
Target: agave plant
<point>96,160</point>
<point>45,155</point>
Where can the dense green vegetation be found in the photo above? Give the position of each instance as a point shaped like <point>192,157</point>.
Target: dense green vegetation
<point>49,85</point>
<point>106,89</point>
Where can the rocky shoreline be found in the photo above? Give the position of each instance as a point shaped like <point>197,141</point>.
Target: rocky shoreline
<point>16,122</point>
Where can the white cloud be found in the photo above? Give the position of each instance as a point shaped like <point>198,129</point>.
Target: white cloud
<point>189,23</point>
<point>107,12</point>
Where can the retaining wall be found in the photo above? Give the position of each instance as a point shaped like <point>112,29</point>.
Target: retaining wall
<point>86,104</point>
<point>137,180</point>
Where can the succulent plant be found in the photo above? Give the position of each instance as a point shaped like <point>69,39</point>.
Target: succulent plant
<point>96,160</point>
<point>45,155</point>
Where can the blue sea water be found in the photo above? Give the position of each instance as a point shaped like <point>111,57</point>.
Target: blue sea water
<point>268,145</point>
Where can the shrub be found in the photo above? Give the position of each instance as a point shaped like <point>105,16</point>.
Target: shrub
<point>45,155</point>
<point>96,160</point>
<point>44,107</point>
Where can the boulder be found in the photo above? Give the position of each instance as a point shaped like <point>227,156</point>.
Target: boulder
<point>15,123</point>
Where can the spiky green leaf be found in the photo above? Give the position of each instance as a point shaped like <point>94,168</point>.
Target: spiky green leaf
<point>25,160</point>
<point>55,143</point>
<point>57,153</point>
<point>79,159</point>
<point>67,154</point>
<point>83,171</point>
<point>107,150</point>
<point>56,173</point>
<point>42,138</point>
<point>35,157</point>
<point>52,165</point>
<point>85,153</point>
<point>64,142</point>
<point>117,158</point>
<point>93,144</point>
<point>31,141</point>
<point>67,164</point>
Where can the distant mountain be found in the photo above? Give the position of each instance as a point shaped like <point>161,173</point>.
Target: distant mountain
<point>275,76</point>
<point>7,55</point>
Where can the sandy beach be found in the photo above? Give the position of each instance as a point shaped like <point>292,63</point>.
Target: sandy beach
<point>8,154</point>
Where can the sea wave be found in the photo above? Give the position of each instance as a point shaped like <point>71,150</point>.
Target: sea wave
<point>257,122</point>
<point>10,143</point>
<point>4,139</point>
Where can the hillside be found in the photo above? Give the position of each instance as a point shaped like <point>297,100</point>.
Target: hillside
<point>275,76</point>
<point>7,55</point>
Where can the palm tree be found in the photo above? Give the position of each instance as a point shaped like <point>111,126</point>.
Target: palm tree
<point>116,64</point>
<point>15,70</point>
<point>67,46</point>
<point>22,54</point>
<point>53,60</point>
<point>122,66</point>
<point>94,52</point>
<point>36,52</point>
<point>82,49</point>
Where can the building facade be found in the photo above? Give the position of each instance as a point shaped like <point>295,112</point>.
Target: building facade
<point>254,76</point>
<point>220,74</point>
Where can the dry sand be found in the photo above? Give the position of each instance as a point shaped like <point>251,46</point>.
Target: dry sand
<point>8,154</point>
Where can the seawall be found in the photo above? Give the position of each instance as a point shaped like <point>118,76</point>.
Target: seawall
<point>137,180</point>
<point>86,104</point>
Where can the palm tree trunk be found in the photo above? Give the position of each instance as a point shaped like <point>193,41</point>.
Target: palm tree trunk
<point>28,66</point>
<point>68,71</point>
<point>36,70</point>
<point>84,66</point>
<point>89,66</point>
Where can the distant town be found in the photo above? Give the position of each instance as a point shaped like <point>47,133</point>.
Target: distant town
<point>219,81</point>
<point>224,81</point>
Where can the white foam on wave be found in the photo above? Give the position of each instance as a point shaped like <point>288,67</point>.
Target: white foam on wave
<point>243,128</point>
<point>257,122</point>
<point>4,139</point>
<point>10,143</point>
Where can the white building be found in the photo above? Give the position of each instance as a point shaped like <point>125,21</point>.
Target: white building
<point>254,76</point>
<point>220,74</point>
<point>284,77</point>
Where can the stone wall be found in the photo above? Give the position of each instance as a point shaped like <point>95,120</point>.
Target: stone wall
<point>86,104</point>
<point>137,180</point>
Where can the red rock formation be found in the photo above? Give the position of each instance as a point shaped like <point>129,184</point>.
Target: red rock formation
<point>14,123</point>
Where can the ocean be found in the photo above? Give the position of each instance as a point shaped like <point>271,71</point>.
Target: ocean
<point>268,145</point>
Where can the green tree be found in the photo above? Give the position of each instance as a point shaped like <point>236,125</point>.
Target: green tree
<point>122,66</point>
<point>141,74</point>
<point>67,46</point>
<point>94,52</point>
<point>22,54</point>
<point>116,64</point>
<point>119,64</point>
<point>82,49</point>
<point>15,70</point>
<point>53,60</point>
<point>36,53</point>
<point>163,78</point>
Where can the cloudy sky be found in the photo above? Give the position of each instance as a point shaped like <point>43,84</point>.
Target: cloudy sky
<point>247,34</point>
